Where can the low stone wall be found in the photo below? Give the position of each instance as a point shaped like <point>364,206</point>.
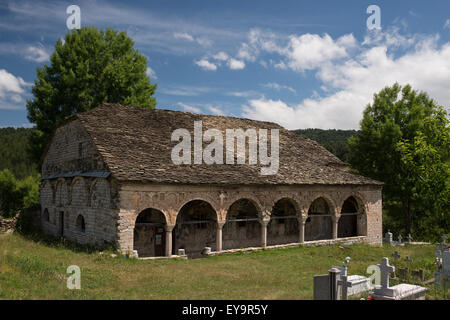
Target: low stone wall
<point>316,243</point>
<point>7,225</point>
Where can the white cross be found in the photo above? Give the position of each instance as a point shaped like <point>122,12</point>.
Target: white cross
<point>344,287</point>
<point>399,238</point>
<point>385,270</point>
<point>444,238</point>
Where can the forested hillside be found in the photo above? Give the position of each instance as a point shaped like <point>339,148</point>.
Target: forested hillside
<point>13,154</point>
<point>335,141</point>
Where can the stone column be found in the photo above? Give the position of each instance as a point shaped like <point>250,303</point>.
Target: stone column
<point>219,236</point>
<point>264,222</point>
<point>334,225</point>
<point>301,228</point>
<point>168,229</point>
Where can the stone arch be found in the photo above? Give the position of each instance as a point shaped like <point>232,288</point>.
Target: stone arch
<point>328,199</point>
<point>319,224</point>
<point>242,227</point>
<point>148,233</point>
<point>352,218</point>
<point>283,226</point>
<point>100,193</point>
<point>80,223</point>
<point>195,227</point>
<point>62,193</point>
<point>46,215</point>
<point>47,193</point>
<point>79,193</point>
<point>204,199</point>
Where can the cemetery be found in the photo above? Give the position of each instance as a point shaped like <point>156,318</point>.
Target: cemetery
<point>36,268</point>
<point>339,285</point>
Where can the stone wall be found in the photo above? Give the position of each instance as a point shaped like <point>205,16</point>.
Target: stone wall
<point>81,209</point>
<point>68,201</point>
<point>71,149</point>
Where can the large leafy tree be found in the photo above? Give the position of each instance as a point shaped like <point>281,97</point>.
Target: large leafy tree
<point>397,115</point>
<point>425,163</point>
<point>89,67</point>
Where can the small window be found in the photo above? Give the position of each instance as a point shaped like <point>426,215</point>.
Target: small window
<point>46,215</point>
<point>81,225</point>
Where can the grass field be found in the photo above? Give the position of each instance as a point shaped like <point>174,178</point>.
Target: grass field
<point>36,269</point>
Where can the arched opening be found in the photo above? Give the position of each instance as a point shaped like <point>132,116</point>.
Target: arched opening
<point>319,224</point>
<point>149,234</point>
<point>46,216</point>
<point>81,225</point>
<point>283,225</point>
<point>242,228</point>
<point>195,228</point>
<point>348,222</point>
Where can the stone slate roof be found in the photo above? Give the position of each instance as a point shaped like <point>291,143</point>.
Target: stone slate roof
<point>136,145</point>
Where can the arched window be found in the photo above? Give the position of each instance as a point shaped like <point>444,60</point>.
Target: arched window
<point>81,225</point>
<point>46,216</point>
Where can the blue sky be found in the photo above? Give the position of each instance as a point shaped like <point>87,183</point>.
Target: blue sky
<point>302,64</point>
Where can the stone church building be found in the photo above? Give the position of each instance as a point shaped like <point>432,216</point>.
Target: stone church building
<point>108,178</point>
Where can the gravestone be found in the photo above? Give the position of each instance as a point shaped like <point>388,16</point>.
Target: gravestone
<point>418,274</point>
<point>181,252</point>
<point>396,256</point>
<point>322,287</point>
<point>401,291</point>
<point>344,284</point>
<point>360,284</point>
<point>400,239</point>
<point>442,276</point>
<point>403,273</point>
<point>409,238</point>
<point>388,237</point>
<point>206,251</point>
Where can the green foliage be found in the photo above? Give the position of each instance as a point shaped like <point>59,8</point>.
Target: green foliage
<point>17,194</point>
<point>399,121</point>
<point>90,67</point>
<point>13,152</point>
<point>425,164</point>
<point>335,141</point>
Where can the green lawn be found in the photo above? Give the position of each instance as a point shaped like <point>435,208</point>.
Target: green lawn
<point>36,269</point>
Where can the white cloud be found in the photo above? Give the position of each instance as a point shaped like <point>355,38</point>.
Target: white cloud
<point>310,51</point>
<point>447,24</point>
<point>236,64</point>
<point>348,86</point>
<point>216,111</point>
<point>206,65</point>
<point>278,87</point>
<point>189,108</point>
<point>151,73</point>
<point>183,36</point>
<point>36,54</point>
<point>222,56</point>
<point>244,94</point>
<point>183,90</point>
<point>11,84</point>
<point>12,89</point>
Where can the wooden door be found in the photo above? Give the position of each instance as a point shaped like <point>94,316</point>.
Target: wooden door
<point>160,241</point>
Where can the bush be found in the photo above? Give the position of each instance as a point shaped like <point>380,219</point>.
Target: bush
<point>17,194</point>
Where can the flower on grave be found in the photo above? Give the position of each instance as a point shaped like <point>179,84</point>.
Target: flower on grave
<point>362,299</point>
